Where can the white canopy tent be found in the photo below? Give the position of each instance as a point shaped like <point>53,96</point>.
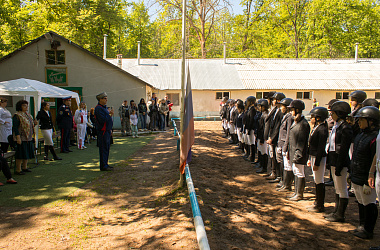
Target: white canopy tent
<point>36,89</point>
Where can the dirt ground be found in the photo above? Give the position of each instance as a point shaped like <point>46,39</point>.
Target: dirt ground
<point>137,207</point>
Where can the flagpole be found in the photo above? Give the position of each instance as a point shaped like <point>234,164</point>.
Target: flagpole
<point>183,76</point>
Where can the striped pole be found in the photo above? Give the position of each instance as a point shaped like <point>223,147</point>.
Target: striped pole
<point>198,222</point>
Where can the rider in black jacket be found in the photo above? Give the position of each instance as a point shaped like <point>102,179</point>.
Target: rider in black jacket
<point>340,140</point>
<point>363,154</point>
<point>249,123</point>
<point>261,142</point>
<point>282,146</point>
<point>317,155</point>
<point>298,143</point>
<point>274,123</point>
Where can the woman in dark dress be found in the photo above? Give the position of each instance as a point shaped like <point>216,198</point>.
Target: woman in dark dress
<point>23,130</point>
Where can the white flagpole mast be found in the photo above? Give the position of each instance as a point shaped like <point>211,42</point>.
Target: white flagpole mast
<point>183,77</point>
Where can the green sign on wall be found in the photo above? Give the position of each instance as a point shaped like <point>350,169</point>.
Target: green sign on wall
<point>56,76</point>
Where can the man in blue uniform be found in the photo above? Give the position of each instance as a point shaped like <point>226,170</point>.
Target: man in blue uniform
<point>103,126</point>
<point>65,124</point>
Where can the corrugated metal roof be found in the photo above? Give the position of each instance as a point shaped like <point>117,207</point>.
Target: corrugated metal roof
<point>166,73</point>
<point>244,73</point>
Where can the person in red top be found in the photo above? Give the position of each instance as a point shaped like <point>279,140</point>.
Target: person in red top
<point>170,109</point>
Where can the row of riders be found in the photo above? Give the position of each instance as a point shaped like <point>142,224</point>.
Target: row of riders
<point>274,132</point>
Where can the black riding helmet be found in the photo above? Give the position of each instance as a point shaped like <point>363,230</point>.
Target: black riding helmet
<point>270,95</point>
<point>286,101</point>
<point>331,102</point>
<point>369,112</point>
<point>358,95</point>
<point>370,102</point>
<point>278,96</point>
<point>341,108</point>
<point>251,100</point>
<point>239,102</point>
<point>320,112</point>
<point>297,104</point>
<point>263,102</point>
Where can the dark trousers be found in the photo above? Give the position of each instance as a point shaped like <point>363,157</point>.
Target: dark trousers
<point>168,119</point>
<point>65,139</point>
<point>5,168</point>
<point>104,142</point>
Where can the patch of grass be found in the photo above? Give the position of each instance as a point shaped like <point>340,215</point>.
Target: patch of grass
<point>52,181</point>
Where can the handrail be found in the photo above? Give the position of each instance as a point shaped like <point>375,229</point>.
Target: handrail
<point>198,222</point>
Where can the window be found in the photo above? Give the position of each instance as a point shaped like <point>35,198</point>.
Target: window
<point>173,98</point>
<point>303,95</point>
<point>342,95</point>
<point>220,95</point>
<point>55,57</point>
<point>377,95</point>
<point>260,95</point>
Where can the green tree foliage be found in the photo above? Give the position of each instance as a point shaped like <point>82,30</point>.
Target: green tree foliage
<point>266,29</point>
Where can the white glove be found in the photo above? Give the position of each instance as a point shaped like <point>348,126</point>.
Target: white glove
<point>366,189</point>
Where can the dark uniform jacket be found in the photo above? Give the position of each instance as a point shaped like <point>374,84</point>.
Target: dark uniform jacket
<point>249,120</point>
<point>64,117</point>
<point>318,141</point>
<point>234,115</point>
<point>239,121</point>
<point>256,120</point>
<point>228,115</point>
<point>103,120</point>
<point>298,139</point>
<point>261,127</point>
<point>283,134</point>
<point>272,125</point>
<point>223,111</point>
<point>354,122</point>
<point>45,120</point>
<point>364,151</point>
<point>343,139</point>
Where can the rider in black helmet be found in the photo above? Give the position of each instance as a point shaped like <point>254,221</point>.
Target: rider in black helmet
<point>262,146</point>
<point>298,142</point>
<point>282,146</point>
<point>357,97</point>
<point>272,127</point>
<point>340,140</point>
<point>317,155</point>
<point>363,154</point>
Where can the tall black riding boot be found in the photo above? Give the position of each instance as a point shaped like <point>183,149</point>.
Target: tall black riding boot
<point>319,206</point>
<point>252,156</point>
<point>281,174</point>
<point>46,156</point>
<point>288,180</point>
<point>339,215</point>
<point>295,188</point>
<point>370,214</point>
<point>247,151</point>
<point>243,148</point>
<point>263,164</point>
<point>336,206</point>
<point>258,162</point>
<point>299,190</point>
<point>361,219</point>
<point>55,157</point>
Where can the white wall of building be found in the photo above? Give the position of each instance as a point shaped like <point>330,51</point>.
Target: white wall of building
<point>83,70</point>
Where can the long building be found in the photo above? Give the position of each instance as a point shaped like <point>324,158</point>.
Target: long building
<point>211,79</point>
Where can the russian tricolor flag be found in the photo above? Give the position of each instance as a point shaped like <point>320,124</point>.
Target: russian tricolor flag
<point>187,138</point>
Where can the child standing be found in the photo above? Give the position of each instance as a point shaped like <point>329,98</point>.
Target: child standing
<point>134,121</point>
<point>80,119</point>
